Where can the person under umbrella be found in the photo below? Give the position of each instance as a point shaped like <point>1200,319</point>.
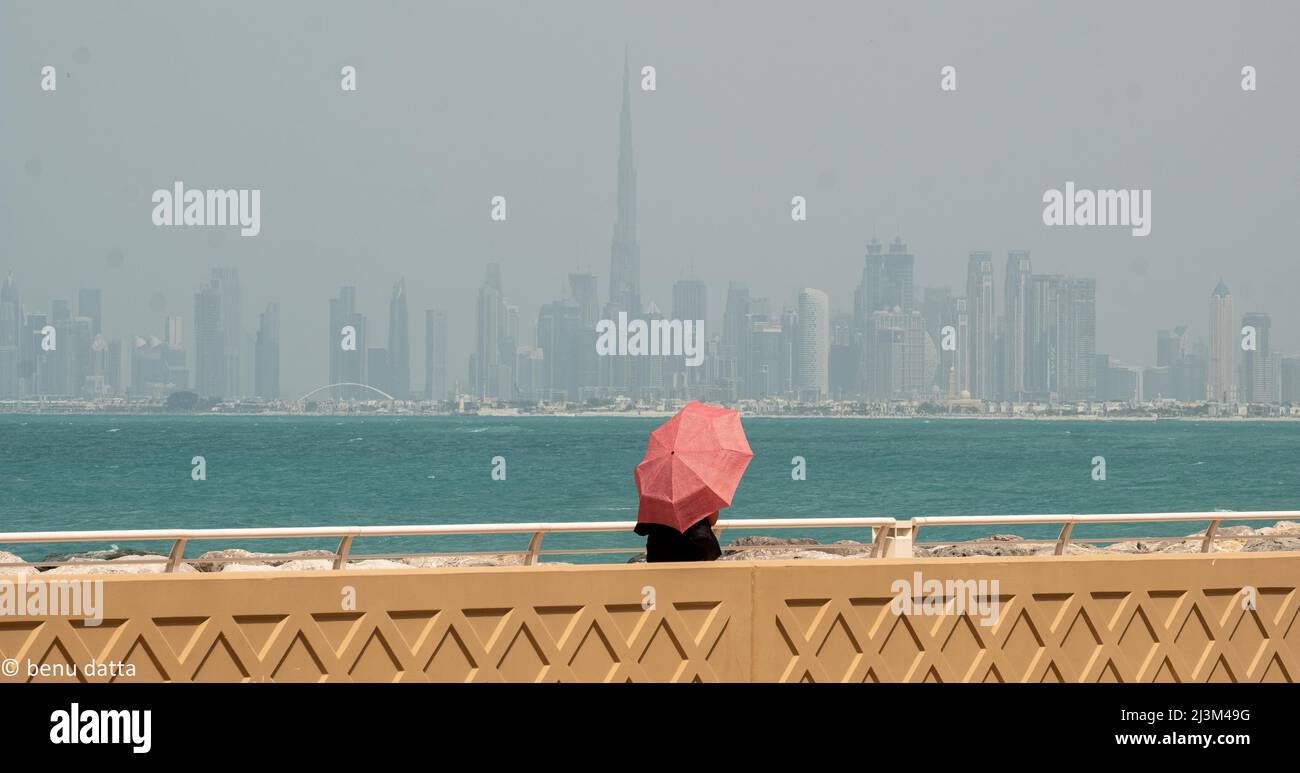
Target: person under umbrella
<point>691,469</point>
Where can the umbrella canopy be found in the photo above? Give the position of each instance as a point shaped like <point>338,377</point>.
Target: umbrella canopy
<point>692,466</point>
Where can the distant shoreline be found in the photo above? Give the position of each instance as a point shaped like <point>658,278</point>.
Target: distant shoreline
<point>657,415</point>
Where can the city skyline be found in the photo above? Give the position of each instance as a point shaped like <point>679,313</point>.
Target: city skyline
<point>720,150</point>
<point>890,358</point>
<point>854,120</point>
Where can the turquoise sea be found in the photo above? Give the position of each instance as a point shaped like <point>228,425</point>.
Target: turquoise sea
<point>130,472</point>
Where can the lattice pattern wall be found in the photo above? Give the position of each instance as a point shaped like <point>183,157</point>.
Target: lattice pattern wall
<point>1166,618</point>
<point>544,624</point>
<point>1151,618</point>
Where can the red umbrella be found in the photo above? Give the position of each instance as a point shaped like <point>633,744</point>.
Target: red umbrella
<point>692,466</point>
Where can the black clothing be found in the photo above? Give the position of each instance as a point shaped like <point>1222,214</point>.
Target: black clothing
<point>664,543</point>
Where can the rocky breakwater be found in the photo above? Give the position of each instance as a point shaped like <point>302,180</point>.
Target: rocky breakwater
<point>1281,536</point>
<point>234,560</point>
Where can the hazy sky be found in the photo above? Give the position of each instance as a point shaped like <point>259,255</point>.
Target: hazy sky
<point>756,102</point>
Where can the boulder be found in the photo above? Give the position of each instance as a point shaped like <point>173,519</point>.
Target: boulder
<point>1280,528</point>
<point>122,565</point>
<point>1274,543</point>
<point>235,568</point>
<point>980,548</point>
<point>762,540</point>
<point>490,559</point>
<point>305,565</point>
<point>377,563</point>
<point>220,558</point>
<point>106,554</point>
<point>14,571</point>
<point>777,555</point>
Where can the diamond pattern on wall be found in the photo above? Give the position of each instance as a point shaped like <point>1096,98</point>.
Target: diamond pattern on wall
<point>424,625</point>
<point>1145,619</point>
<point>1123,620</point>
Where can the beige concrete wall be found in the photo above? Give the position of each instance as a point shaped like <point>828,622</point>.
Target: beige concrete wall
<point>1146,618</point>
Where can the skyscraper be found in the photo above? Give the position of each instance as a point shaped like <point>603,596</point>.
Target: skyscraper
<point>886,285</point>
<point>559,334</point>
<point>896,279</point>
<point>1171,346</point>
<point>1289,379</point>
<point>866,298</point>
<point>769,363</point>
<point>435,355</point>
<point>1259,383</point>
<point>814,344</point>
<point>210,376</point>
<point>735,341</point>
<point>174,370</point>
<point>959,383</point>
<point>939,310</point>
<point>399,347</point>
<point>1221,380</point>
<point>690,299</point>
<point>231,316</point>
<point>897,351</point>
<point>492,378</point>
<point>347,363</point>
<point>1043,325</point>
<point>1016,334</point>
<point>582,290</point>
<point>1078,348</point>
<point>983,321</point>
<point>690,302</point>
<point>625,255</point>
<point>266,367</point>
<point>11,338</point>
<point>90,304</point>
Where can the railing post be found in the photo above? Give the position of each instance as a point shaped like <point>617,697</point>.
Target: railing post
<point>341,555</point>
<point>177,555</point>
<point>1063,541</point>
<point>535,547</point>
<point>899,542</point>
<point>1209,536</point>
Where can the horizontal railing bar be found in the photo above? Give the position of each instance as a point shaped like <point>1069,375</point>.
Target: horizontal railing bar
<point>307,532</point>
<point>980,520</point>
<point>1046,541</point>
<point>346,534</point>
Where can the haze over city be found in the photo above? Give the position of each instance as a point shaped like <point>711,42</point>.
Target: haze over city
<point>458,103</point>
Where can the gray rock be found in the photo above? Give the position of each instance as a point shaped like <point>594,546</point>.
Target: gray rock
<point>1275,543</point>
<point>377,563</point>
<point>762,540</point>
<point>105,554</point>
<point>778,555</point>
<point>122,565</point>
<point>437,562</point>
<point>1281,528</point>
<point>220,558</point>
<point>14,571</point>
<point>962,550</point>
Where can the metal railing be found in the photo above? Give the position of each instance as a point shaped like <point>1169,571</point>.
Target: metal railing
<point>1068,522</point>
<point>180,538</point>
<point>890,537</point>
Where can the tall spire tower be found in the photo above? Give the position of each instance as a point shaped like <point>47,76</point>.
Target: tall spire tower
<point>625,255</point>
